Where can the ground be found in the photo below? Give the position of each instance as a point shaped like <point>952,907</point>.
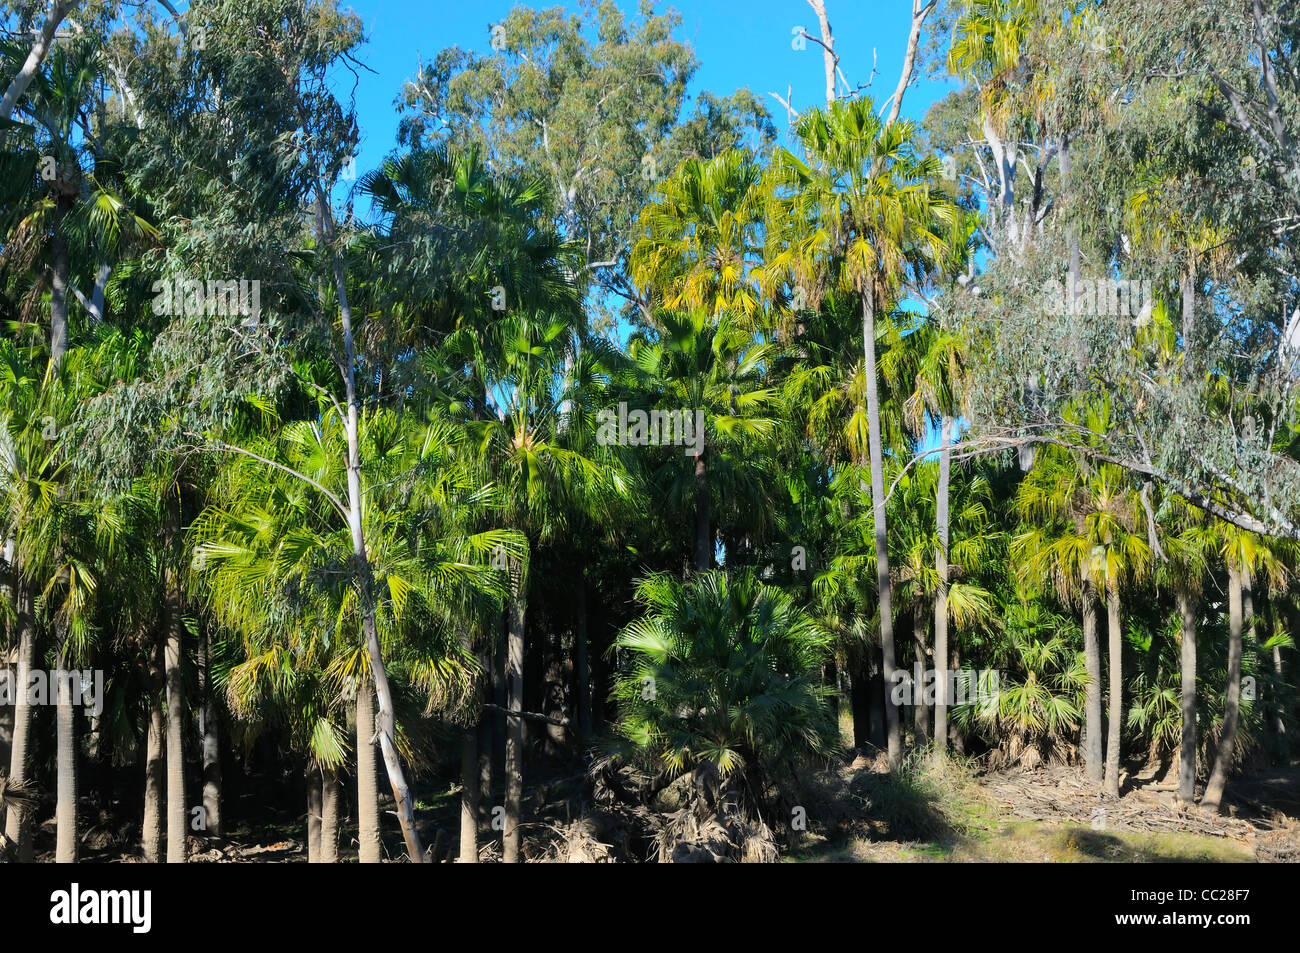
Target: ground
<point>855,812</point>
<point>1049,814</point>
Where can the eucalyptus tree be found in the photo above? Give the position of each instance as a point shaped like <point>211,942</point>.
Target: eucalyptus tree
<point>859,213</point>
<point>56,11</point>
<point>594,104</point>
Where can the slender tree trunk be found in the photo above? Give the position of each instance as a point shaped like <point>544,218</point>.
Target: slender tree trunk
<point>66,746</point>
<point>895,739</point>
<point>920,710</point>
<point>941,594</point>
<point>367,782</point>
<point>860,704</point>
<point>59,284</point>
<point>385,719</point>
<point>177,816</point>
<point>155,769</point>
<point>6,733</point>
<point>1187,755</point>
<point>500,695</point>
<point>514,722</point>
<point>1115,664</point>
<point>313,777</point>
<point>554,679</point>
<point>1092,698</point>
<point>55,12</point>
<point>1213,797</point>
<point>208,730</point>
<point>329,816</point>
<point>486,731</point>
<point>18,822</point>
<point>703,518</point>
<point>955,737</point>
<point>469,796</point>
<point>582,661</point>
<point>1279,715</point>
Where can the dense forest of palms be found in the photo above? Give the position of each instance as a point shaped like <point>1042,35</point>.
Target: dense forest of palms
<point>616,474</point>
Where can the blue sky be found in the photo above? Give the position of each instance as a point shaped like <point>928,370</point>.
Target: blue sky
<point>737,44</point>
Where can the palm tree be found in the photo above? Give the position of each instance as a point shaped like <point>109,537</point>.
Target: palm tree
<point>938,388</point>
<point>275,565</point>
<point>858,213</point>
<point>523,368</point>
<point>1187,544</point>
<point>1245,554</point>
<point>715,370</point>
<point>723,681</point>
<point>1056,551</point>
<point>700,249</point>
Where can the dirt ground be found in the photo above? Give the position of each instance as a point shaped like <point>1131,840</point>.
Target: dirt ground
<point>862,814</point>
<point>1052,814</point>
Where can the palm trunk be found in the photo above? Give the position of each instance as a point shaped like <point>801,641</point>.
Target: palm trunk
<point>1092,661</point>
<point>1116,695</point>
<point>386,720</point>
<point>469,796</point>
<point>329,816</point>
<point>581,660</point>
<point>313,777</point>
<point>211,741</point>
<point>487,721</point>
<point>154,772</point>
<point>66,746</point>
<point>1213,797</point>
<point>920,710</point>
<point>1187,756</point>
<point>367,782</point>
<point>6,734</point>
<point>955,737</point>
<point>59,284</point>
<point>1279,724</point>
<point>18,822</point>
<point>895,736</point>
<point>177,827</point>
<point>514,721</point>
<point>703,518</point>
<point>941,594</point>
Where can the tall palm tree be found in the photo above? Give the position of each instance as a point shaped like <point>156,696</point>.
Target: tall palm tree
<point>1187,542</point>
<point>938,392</point>
<point>1245,555</point>
<point>700,247</point>
<point>1080,541</point>
<point>716,370</point>
<point>522,366</point>
<point>858,213</point>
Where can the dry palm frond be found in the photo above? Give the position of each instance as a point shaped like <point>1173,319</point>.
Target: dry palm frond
<point>16,794</point>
